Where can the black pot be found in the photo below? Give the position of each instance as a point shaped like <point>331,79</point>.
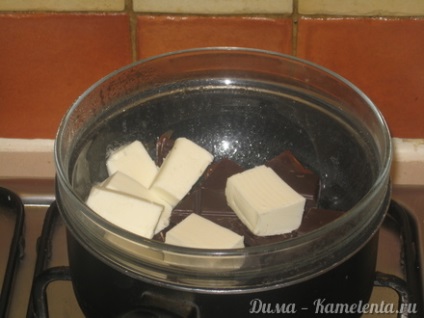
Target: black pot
<point>103,291</point>
<point>258,104</point>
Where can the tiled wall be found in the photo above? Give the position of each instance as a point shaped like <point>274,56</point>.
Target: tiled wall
<point>51,51</point>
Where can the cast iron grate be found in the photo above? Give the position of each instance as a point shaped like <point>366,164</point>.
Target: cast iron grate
<point>408,289</point>
<point>10,204</point>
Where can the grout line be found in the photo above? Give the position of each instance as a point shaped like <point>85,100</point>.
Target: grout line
<point>133,29</point>
<point>295,26</point>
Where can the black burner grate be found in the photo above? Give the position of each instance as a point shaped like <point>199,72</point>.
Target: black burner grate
<point>43,275</point>
<point>11,206</point>
<point>408,289</point>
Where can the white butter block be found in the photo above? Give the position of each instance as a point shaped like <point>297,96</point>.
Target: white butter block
<point>122,183</point>
<point>133,160</point>
<point>126,211</point>
<point>264,202</point>
<point>183,166</point>
<point>197,232</point>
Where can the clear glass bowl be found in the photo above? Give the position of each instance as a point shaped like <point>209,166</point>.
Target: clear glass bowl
<point>248,105</point>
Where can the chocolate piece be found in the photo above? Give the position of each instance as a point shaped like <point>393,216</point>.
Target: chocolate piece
<point>217,174</point>
<point>315,218</point>
<point>212,205</point>
<point>301,179</point>
<point>163,146</point>
<point>208,198</point>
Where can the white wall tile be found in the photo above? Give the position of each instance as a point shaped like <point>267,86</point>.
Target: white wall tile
<point>214,6</point>
<point>363,7</point>
<point>62,5</point>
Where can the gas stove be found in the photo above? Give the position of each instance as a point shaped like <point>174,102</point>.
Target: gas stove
<point>36,281</point>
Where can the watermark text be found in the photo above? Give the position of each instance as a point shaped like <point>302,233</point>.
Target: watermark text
<point>321,306</point>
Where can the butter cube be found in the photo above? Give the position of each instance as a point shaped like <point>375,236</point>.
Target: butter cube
<point>197,232</point>
<point>122,183</point>
<point>182,167</point>
<point>133,214</point>
<point>133,160</point>
<point>264,202</point>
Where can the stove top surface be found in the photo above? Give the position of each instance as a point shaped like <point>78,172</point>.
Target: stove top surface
<point>399,270</point>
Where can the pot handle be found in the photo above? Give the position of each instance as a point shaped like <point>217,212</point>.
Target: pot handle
<point>148,313</point>
<point>154,305</point>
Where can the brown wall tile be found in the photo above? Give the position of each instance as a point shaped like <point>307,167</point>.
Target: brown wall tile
<point>160,34</point>
<point>48,60</point>
<point>383,57</point>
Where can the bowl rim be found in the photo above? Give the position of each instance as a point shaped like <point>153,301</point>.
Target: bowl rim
<point>379,182</point>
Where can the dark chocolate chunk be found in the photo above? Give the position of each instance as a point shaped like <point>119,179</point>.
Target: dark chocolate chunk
<point>212,205</point>
<point>217,174</point>
<point>315,218</point>
<point>163,146</point>
<point>301,179</point>
<point>207,198</point>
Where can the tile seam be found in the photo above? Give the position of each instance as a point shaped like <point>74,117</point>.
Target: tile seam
<point>362,16</point>
<point>295,26</point>
<point>129,9</point>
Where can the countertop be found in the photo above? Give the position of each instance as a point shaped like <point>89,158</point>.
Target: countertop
<point>33,158</point>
